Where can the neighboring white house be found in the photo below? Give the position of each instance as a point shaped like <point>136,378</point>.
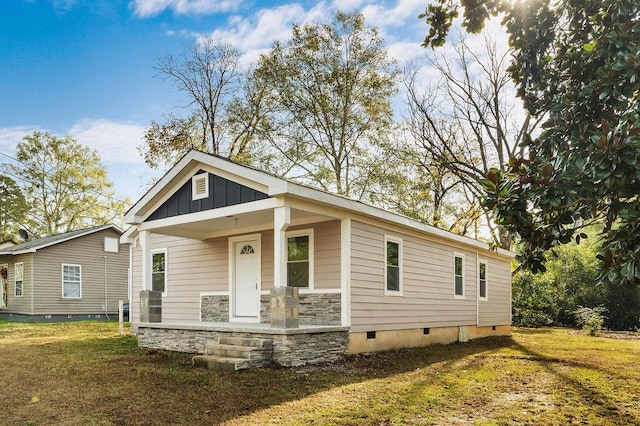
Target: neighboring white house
<point>233,251</point>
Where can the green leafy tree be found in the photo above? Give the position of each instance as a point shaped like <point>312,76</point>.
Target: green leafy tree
<point>65,185</point>
<point>13,208</point>
<point>576,63</point>
<point>327,101</point>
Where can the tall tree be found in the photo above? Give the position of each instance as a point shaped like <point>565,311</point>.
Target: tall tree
<point>65,185</point>
<point>13,208</point>
<point>210,77</point>
<point>327,96</point>
<point>464,119</point>
<point>578,62</point>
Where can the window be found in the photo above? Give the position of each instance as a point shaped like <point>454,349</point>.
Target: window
<point>159,271</point>
<point>482,279</point>
<point>300,259</point>
<point>111,245</point>
<point>200,186</point>
<point>19,277</point>
<point>458,268</point>
<point>393,273</point>
<point>71,281</point>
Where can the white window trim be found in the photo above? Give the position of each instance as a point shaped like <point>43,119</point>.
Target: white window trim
<point>486,279</point>
<point>458,296</point>
<point>166,269</point>
<point>62,280</point>
<point>15,280</point>
<point>194,194</point>
<point>301,233</point>
<point>399,292</point>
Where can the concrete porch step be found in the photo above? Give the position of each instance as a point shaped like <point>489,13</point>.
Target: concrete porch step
<point>229,351</point>
<point>220,363</point>
<point>244,341</point>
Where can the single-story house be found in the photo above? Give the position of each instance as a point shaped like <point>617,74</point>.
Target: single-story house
<point>77,275</point>
<point>224,256</point>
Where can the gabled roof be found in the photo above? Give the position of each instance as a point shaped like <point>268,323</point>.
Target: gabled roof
<point>40,243</point>
<point>275,186</point>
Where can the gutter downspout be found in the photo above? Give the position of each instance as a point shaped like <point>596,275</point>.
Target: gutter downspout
<point>477,290</point>
<point>106,294</point>
<point>32,286</point>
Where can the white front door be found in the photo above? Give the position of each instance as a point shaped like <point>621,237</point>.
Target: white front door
<point>246,285</point>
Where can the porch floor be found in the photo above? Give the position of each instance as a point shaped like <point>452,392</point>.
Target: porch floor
<point>241,327</point>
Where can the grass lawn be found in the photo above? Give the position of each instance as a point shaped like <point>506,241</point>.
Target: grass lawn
<point>83,373</point>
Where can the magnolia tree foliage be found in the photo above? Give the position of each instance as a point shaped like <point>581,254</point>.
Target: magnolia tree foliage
<point>577,63</point>
<point>65,185</point>
<point>13,208</point>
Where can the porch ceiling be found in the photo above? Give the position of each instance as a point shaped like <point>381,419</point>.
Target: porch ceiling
<point>233,224</point>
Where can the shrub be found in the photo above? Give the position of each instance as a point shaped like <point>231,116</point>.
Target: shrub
<point>591,319</point>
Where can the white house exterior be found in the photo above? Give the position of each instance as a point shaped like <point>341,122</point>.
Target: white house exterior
<point>225,245</point>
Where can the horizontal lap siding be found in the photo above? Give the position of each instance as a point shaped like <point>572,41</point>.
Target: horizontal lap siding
<point>193,266</point>
<point>18,305</point>
<point>428,283</point>
<point>88,252</point>
<point>497,308</point>
<point>326,237</point>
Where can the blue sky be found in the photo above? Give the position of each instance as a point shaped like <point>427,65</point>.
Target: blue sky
<point>84,68</point>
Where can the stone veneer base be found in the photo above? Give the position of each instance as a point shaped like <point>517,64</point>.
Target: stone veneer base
<point>291,347</point>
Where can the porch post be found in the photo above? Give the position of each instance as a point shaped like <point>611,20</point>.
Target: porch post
<point>283,311</point>
<point>145,268</point>
<point>281,221</point>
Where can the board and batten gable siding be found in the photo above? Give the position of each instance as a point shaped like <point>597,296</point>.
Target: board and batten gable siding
<point>18,305</point>
<point>222,193</point>
<point>427,296</point>
<point>497,308</point>
<point>88,252</point>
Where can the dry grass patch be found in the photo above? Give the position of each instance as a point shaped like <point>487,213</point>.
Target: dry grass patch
<point>84,373</point>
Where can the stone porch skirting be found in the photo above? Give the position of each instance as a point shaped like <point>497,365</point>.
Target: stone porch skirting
<point>290,347</point>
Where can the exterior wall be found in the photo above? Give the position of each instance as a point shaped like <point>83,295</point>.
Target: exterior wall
<point>419,337</point>
<point>97,266</point>
<point>198,275</point>
<point>427,296</point>
<point>497,308</point>
<point>19,305</point>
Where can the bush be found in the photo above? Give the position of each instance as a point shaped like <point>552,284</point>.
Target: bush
<point>591,319</point>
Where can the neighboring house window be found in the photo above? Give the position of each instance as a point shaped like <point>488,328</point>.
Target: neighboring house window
<point>71,281</point>
<point>458,268</point>
<point>159,271</point>
<point>200,186</point>
<point>300,259</point>
<point>482,278</point>
<point>111,245</point>
<point>393,270</point>
<point>19,278</point>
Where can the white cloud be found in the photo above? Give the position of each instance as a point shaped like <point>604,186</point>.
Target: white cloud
<point>10,137</point>
<point>148,8</point>
<point>255,34</point>
<point>115,142</point>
